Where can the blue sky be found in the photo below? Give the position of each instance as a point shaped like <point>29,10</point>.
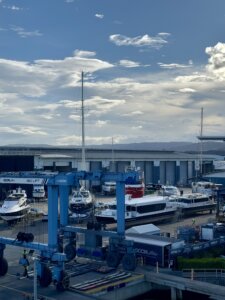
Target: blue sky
<point>149,65</point>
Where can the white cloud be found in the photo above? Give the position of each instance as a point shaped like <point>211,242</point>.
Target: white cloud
<point>187,90</point>
<point>13,7</point>
<point>172,66</point>
<point>129,63</point>
<point>23,33</point>
<point>101,123</point>
<point>99,16</point>
<point>136,127</point>
<point>82,53</point>
<point>40,100</point>
<point>23,130</point>
<point>138,41</point>
<point>216,64</point>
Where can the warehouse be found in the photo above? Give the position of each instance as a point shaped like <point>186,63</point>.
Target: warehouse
<point>165,167</point>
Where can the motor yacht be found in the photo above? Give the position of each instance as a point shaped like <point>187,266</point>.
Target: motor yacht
<point>38,192</point>
<point>15,206</point>
<point>81,201</point>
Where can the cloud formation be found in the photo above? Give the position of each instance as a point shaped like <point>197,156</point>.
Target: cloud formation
<point>41,99</point>
<point>24,33</point>
<point>99,16</point>
<point>139,41</point>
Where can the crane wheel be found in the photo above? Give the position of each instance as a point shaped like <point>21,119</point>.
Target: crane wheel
<point>64,282</point>
<point>70,251</point>
<point>3,266</point>
<point>46,278</point>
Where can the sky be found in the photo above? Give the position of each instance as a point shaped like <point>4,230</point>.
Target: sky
<point>149,66</point>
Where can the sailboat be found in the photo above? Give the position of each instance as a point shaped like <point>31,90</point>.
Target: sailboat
<point>81,202</point>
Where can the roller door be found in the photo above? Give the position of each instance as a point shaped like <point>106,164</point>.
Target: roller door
<point>148,173</point>
<point>170,172</point>
<point>183,172</point>
<point>162,171</point>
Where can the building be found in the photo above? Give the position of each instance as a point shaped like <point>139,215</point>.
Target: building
<point>165,167</point>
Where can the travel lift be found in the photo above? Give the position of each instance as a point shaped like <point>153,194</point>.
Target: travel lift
<point>50,265</point>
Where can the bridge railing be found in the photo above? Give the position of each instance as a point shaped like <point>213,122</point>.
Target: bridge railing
<point>203,273</point>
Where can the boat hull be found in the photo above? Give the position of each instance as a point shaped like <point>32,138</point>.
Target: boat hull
<point>156,218</point>
<point>80,208</point>
<point>14,215</point>
<point>185,211</point>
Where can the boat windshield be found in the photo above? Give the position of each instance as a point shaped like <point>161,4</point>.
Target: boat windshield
<point>14,197</point>
<point>84,194</point>
<point>81,193</point>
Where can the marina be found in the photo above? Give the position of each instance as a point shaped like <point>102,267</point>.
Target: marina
<point>85,271</point>
<point>101,261</point>
<point>109,187</point>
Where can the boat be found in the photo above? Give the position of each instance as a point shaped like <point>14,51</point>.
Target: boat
<point>136,190</point>
<point>146,209</point>
<point>38,192</point>
<point>192,203</point>
<point>206,187</point>
<point>15,206</point>
<point>109,188</point>
<point>81,202</point>
<point>169,190</point>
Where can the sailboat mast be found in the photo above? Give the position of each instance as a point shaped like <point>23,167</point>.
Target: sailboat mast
<point>83,164</point>
<point>201,146</point>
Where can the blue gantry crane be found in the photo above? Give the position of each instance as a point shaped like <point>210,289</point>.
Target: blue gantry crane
<point>53,255</point>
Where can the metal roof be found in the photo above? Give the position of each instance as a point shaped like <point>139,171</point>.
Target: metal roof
<point>143,229</point>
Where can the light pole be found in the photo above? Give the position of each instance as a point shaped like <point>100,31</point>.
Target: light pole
<point>35,278</point>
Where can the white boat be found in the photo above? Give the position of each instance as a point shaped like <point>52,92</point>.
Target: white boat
<point>81,201</point>
<point>146,209</point>
<point>169,190</point>
<point>205,187</point>
<point>38,192</point>
<point>109,188</point>
<point>193,203</point>
<point>15,206</point>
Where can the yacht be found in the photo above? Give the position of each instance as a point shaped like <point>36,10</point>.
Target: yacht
<point>136,190</point>
<point>109,188</point>
<point>38,192</point>
<point>193,203</point>
<point>206,187</point>
<point>81,201</point>
<point>169,190</point>
<point>146,209</point>
<point>15,206</point>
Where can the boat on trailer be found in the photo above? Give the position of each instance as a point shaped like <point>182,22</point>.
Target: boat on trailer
<point>193,203</point>
<point>15,206</point>
<point>81,201</point>
<point>147,209</point>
